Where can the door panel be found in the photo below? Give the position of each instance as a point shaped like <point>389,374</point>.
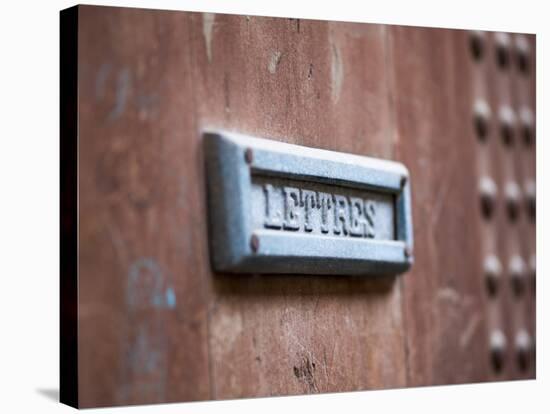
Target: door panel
<point>155,324</point>
<point>444,298</point>
<point>287,80</point>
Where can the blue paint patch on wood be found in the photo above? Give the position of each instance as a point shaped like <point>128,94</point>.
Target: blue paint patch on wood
<point>170,298</point>
<point>147,286</point>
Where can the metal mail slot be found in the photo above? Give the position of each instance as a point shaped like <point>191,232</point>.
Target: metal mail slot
<point>283,208</point>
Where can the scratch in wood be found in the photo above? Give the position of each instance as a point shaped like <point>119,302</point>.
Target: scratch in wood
<point>226,92</point>
<point>274,61</point>
<point>442,194</point>
<point>207,26</point>
<point>316,304</point>
<point>325,364</point>
<point>468,333</point>
<point>337,73</point>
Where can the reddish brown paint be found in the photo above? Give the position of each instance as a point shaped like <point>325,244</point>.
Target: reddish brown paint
<point>155,324</point>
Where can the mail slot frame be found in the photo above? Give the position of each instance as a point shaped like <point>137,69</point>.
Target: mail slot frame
<point>235,246</point>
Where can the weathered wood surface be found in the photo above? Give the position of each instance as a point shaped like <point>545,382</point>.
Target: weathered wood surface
<point>142,255</point>
<point>155,324</point>
<point>443,293</point>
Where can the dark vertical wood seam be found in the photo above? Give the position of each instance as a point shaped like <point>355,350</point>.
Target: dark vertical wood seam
<point>392,135</point>
<point>205,290</point>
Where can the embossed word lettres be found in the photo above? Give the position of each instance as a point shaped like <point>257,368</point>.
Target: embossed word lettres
<point>296,209</point>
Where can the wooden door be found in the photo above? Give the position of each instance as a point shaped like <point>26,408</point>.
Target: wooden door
<point>144,318</point>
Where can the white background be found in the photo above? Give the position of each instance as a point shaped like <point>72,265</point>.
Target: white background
<point>29,209</point>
